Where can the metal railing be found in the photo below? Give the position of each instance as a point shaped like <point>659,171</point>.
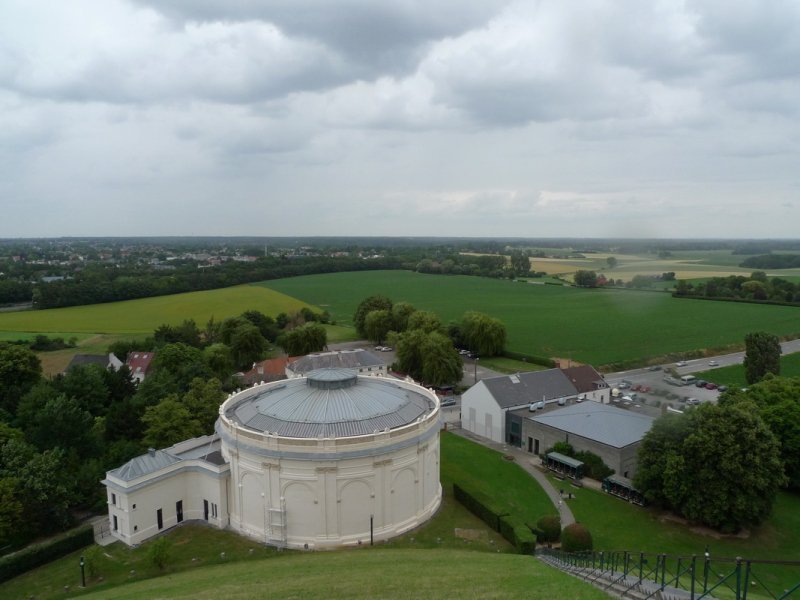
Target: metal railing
<point>700,576</point>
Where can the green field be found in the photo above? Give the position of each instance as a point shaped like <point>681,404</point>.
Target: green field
<point>589,326</point>
<point>13,336</point>
<point>145,315</point>
<point>733,376</point>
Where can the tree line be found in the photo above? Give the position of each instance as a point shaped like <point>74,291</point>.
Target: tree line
<point>103,284</point>
<point>756,287</point>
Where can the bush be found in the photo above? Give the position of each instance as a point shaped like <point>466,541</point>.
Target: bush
<point>159,552</point>
<point>550,526</point>
<point>593,465</point>
<point>576,538</point>
<point>26,560</point>
<point>92,557</point>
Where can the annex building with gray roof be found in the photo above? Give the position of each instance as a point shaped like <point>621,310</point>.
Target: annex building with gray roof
<point>611,432</point>
<point>484,405</point>
<point>360,361</point>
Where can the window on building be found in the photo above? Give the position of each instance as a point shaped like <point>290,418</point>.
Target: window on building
<point>136,528</point>
<point>213,510</point>
<point>114,499</point>
<point>134,507</point>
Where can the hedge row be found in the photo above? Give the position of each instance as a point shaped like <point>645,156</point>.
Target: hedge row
<point>536,360</point>
<point>490,512</point>
<point>28,559</point>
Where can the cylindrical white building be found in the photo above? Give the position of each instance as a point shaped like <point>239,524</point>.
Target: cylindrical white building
<point>326,459</point>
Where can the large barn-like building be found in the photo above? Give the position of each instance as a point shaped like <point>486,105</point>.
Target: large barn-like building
<point>321,461</point>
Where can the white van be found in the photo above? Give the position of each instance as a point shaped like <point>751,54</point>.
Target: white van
<point>688,379</point>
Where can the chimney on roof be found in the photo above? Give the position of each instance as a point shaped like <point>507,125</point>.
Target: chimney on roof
<point>260,369</point>
<point>151,451</point>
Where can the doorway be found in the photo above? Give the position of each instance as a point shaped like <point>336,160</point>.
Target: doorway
<point>116,527</point>
<point>179,510</point>
<point>205,509</point>
<point>160,519</point>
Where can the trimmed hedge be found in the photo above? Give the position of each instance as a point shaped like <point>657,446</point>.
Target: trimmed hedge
<point>28,559</point>
<point>536,360</point>
<point>550,526</point>
<point>479,504</point>
<point>518,534</point>
<point>492,513</point>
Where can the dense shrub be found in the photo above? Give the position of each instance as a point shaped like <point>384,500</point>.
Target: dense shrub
<point>576,538</point>
<point>593,465</point>
<point>550,526</point>
<point>26,560</point>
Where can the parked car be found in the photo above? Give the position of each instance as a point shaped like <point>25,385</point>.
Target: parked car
<point>681,363</point>
<point>473,355</point>
<point>711,386</point>
<point>386,349</point>
<point>722,388</point>
<point>449,402</point>
<point>463,352</point>
<point>693,401</point>
<point>636,388</point>
<point>701,383</point>
<point>645,389</point>
<point>655,368</point>
<point>713,363</point>
<point>667,369</point>
<point>624,385</point>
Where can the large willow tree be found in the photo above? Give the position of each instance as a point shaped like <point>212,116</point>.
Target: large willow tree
<point>483,334</point>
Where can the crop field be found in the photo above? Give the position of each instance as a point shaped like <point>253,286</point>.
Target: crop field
<point>145,315</point>
<point>589,326</point>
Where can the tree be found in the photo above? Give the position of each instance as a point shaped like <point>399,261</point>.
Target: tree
<point>612,262</point>
<point>642,281</point>
<point>247,345</point>
<point>212,334</point>
<point>483,334</point>
<point>10,507</point>
<point>230,325</point>
<point>159,552</point>
<point>266,325</point>
<point>585,278</point>
<point>20,369</point>
<point>377,324</point>
<point>762,355</point>
<point>303,340</point>
<point>367,306</point>
<point>203,401</point>
<point>725,472</point>
<point>122,348</point>
<point>173,357</point>
<point>426,321</point>
<point>400,315</point>
<point>219,359</point>
<point>169,422</point>
<point>520,263</point>
<point>63,423</point>
<point>429,357</point>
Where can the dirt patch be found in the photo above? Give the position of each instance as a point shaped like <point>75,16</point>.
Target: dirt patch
<point>472,534</point>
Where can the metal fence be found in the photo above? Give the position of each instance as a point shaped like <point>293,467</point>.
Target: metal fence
<point>699,576</point>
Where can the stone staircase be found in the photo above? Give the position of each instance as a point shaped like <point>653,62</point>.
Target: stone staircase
<point>617,585</point>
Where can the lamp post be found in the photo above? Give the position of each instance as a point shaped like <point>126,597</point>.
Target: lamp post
<point>476,369</point>
<point>371,530</point>
<point>83,573</point>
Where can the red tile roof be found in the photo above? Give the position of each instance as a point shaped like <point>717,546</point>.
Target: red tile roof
<point>139,362</point>
<point>272,366</point>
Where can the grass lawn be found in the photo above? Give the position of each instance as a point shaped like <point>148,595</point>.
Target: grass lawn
<point>509,365</point>
<point>338,334</point>
<point>589,326</point>
<point>618,525</point>
<point>485,469</point>
<point>375,574</point>
<point>145,315</point>
<point>733,376</point>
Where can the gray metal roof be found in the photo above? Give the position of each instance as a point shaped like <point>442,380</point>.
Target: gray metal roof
<point>599,422</point>
<point>298,409</point>
<point>532,386</point>
<point>344,359</point>
<point>144,464</point>
<point>565,459</point>
<point>88,359</point>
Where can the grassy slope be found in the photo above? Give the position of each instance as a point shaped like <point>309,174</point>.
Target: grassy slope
<point>592,326</point>
<point>733,376</point>
<point>145,315</point>
<point>369,574</point>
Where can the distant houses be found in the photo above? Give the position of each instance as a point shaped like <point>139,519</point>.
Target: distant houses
<point>137,362</point>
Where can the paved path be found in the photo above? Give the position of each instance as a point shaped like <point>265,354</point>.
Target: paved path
<point>525,460</point>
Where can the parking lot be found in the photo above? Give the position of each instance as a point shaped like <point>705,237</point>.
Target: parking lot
<point>655,380</point>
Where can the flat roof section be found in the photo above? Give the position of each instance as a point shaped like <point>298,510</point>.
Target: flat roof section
<point>601,423</point>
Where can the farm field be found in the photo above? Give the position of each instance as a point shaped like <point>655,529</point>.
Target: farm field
<point>733,376</point>
<point>146,314</point>
<point>589,326</point>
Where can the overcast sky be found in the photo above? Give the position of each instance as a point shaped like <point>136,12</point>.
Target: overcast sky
<point>400,117</point>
